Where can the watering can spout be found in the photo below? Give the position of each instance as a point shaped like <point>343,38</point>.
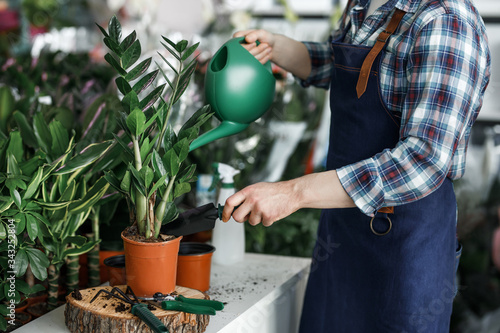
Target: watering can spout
<point>226,128</point>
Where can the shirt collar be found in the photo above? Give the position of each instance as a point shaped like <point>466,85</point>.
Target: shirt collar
<point>409,6</point>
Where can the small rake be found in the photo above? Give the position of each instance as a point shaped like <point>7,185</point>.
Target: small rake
<point>138,309</point>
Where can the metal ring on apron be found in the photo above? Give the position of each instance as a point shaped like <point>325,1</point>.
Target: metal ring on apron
<point>381,233</point>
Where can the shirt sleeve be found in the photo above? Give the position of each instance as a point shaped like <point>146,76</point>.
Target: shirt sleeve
<point>446,64</point>
<point>321,65</point>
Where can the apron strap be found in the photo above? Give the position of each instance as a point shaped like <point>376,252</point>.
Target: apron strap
<point>364,74</point>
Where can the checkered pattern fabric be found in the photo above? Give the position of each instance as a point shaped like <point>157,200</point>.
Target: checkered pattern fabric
<point>434,74</point>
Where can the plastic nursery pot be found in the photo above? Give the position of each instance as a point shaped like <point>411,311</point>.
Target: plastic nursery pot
<point>151,267</point>
<point>193,265</point>
<point>103,271</point>
<point>116,270</point>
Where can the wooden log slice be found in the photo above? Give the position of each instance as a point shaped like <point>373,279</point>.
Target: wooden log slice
<point>106,314</point>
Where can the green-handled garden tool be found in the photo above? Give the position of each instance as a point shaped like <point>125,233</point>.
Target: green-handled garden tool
<point>138,309</point>
<point>185,304</point>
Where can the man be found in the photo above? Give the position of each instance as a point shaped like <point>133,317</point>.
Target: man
<point>406,79</point>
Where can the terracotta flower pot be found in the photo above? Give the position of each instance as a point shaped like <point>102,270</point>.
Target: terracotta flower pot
<point>193,265</point>
<point>151,267</point>
<point>116,270</point>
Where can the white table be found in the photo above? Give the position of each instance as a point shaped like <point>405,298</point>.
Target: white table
<point>263,293</point>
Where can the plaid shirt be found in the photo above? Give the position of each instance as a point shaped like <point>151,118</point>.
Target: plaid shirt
<point>434,73</point>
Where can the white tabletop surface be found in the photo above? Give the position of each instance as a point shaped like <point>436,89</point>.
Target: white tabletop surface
<point>263,294</point>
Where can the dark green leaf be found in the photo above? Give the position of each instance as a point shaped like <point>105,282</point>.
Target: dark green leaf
<point>80,250</point>
<point>128,41</point>
<point>145,148</point>
<point>171,162</point>
<point>194,120</point>
<point>85,158</point>
<point>189,51</point>
<point>27,132</point>
<point>182,149</point>
<point>137,180</point>
<point>125,183</point>
<point>181,46</point>
<point>169,64</point>
<point>159,168</point>
<point>21,262</point>
<point>122,85</point>
<point>158,184</point>
<point>138,70</point>
<point>136,121</point>
<point>112,180</point>
<point>148,175</point>
<point>112,61</point>
<point>184,82</point>
<point>94,194</point>
<point>113,45</point>
<point>13,183</point>
<point>76,240</point>
<point>33,185</point>
<point>181,189</point>
<point>172,51</point>
<point>42,132</point>
<point>39,263</point>
<point>3,232</point>
<point>16,197</point>
<point>124,145</point>
<point>41,218</point>
<point>171,213</point>
<point>168,41</point>
<point>60,137</point>
<point>20,223</point>
<point>32,227</point>
<point>103,31</point>
<point>151,98</point>
<point>145,82</point>
<point>130,101</point>
<point>165,76</point>
<point>15,146</point>
<point>131,55</point>
<point>170,138</point>
<point>12,166</point>
<point>187,175</point>
<point>115,29</point>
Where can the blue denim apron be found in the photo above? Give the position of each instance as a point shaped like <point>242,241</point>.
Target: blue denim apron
<point>362,281</point>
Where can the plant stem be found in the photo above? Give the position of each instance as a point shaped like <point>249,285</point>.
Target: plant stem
<point>141,206</point>
<point>160,210</point>
<point>93,266</point>
<point>73,268</point>
<point>53,276</point>
<point>137,154</point>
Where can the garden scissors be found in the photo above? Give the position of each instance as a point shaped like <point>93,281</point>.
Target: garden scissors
<point>185,304</point>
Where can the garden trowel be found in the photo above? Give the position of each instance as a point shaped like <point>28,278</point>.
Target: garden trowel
<point>193,220</point>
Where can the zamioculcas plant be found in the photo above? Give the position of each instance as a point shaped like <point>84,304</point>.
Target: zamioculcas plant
<point>157,171</point>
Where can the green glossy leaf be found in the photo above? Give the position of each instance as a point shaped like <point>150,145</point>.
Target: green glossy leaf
<point>13,183</point>
<point>32,227</point>
<point>182,149</point>
<point>129,40</point>
<point>123,85</point>
<point>12,166</point>
<point>184,82</point>
<point>145,148</point>
<point>172,67</point>
<point>151,98</point>
<point>39,263</point>
<point>165,76</point>
<point>158,166</point>
<point>145,82</point>
<point>89,155</point>
<point>15,146</point>
<point>112,180</point>
<point>16,197</point>
<point>181,46</point>
<point>21,262</point>
<point>181,189</point>
<point>93,195</point>
<point>138,180</point>
<point>115,29</point>
<point>33,185</point>
<point>131,55</point>
<point>125,183</point>
<point>187,175</point>
<point>171,51</point>
<point>69,192</point>
<point>4,205</point>
<point>80,250</point>
<point>103,31</point>
<point>27,132</point>
<point>130,102</point>
<point>41,218</point>
<point>138,70</point>
<point>197,119</point>
<point>114,63</point>
<point>189,51</point>
<point>171,213</point>
<point>123,145</point>
<point>20,223</point>
<point>112,45</point>
<point>148,175</point>
<point>60,138</point>
<point>76,240</point>
<point>53,205</point>
<point>171,162</point>
<point>3,232</point>
<point>158,184</point>
<point>136,121</point>
<point>35,289</point>
<point>42,132</point>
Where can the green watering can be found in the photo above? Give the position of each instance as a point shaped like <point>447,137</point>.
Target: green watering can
<point>238,88</point>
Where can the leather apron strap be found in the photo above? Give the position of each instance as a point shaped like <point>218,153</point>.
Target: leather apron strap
<point>364,74</point>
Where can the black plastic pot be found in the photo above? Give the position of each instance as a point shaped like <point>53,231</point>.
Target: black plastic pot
<point>116,270</point>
